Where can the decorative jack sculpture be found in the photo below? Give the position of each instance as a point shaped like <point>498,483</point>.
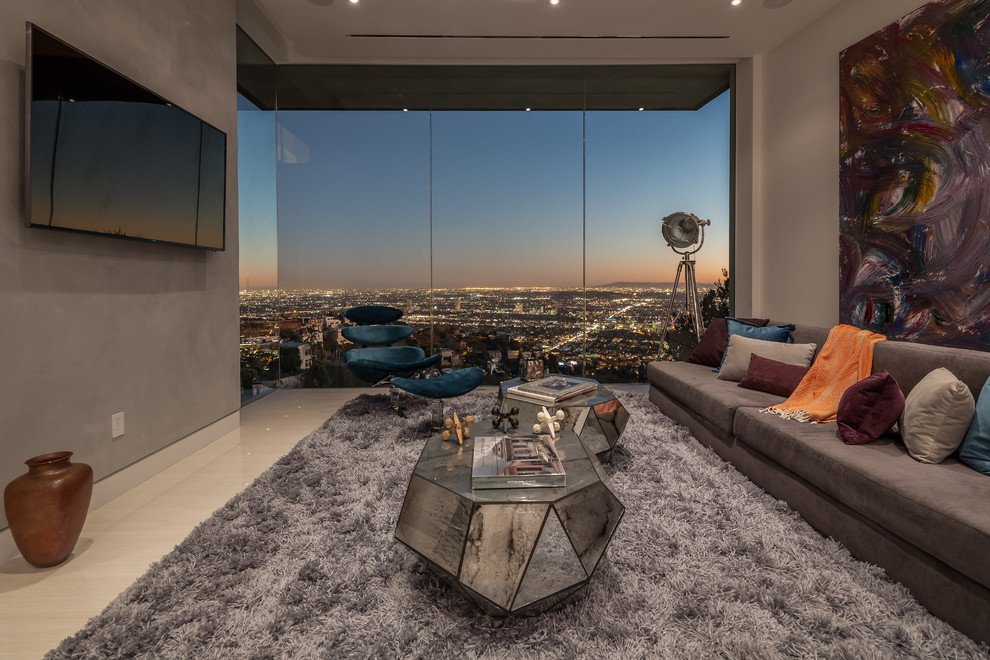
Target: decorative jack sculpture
<point>457,428</point>
<point>552,422</point>
<point>505,419</point>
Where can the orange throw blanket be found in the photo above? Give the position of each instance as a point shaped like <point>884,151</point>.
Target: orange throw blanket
<point>846,358</point>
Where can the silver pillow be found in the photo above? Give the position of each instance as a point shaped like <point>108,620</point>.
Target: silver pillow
<point>937,414</point>
<point>741,349</point>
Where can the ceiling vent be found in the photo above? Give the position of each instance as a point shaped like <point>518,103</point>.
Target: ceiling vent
<point>536,36</point>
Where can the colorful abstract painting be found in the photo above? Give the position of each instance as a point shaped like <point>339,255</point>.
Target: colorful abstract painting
<point>915,177</point>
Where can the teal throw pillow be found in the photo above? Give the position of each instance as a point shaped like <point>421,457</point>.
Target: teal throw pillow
<point>781,333</point>
<point>975,448</point>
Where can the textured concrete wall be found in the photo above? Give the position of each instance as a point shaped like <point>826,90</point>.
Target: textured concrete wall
<point>91,325</point>
<point>796,229</point>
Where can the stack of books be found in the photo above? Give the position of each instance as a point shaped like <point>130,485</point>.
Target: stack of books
<point>551,389</point>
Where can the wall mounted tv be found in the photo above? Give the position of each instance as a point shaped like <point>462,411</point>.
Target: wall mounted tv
<point>106,156</point>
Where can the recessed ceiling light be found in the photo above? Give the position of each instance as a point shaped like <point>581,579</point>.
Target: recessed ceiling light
<point>354,2</point>
<point>733,3</point>
<point>555,2</point>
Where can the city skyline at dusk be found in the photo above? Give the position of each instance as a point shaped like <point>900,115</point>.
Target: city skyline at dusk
<point>603,333</point>
<point>510,194</point>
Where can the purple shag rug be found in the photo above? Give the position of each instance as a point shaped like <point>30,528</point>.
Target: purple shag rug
<point>303,564</point>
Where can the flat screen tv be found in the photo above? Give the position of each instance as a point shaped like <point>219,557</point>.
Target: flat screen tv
<point>106,156</point>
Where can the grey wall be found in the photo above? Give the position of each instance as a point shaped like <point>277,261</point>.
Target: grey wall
<point>91,325</point>
<point>796,211</point>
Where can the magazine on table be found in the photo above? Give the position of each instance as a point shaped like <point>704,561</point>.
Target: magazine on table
<point>526,461</point>
<point>551,389</point>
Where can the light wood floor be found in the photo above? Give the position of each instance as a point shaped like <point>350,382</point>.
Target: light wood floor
<point>41,607</point>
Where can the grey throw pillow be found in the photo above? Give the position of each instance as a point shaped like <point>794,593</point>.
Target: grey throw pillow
<point>741,349</point>
<point>937,414</point>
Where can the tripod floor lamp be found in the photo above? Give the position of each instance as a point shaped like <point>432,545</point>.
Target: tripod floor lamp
<point>682,231</point>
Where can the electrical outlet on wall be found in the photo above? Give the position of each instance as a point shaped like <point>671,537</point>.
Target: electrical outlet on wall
<point>117,425</point>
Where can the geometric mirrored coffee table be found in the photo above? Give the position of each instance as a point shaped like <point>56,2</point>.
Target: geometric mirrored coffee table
<point>511,550</point>
<point>598,417</point>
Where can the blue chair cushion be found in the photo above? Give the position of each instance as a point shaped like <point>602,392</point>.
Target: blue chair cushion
<point>445,386</point>
<point>376,335</point>
<point>386,354</point>
<point>373,314</point>
<point>373,364</point>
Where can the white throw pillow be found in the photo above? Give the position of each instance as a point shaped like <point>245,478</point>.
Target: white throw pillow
<point>937,414</point>
<point>741,350</point>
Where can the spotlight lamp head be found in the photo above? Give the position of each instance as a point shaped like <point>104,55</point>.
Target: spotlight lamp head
<point>682,231</point>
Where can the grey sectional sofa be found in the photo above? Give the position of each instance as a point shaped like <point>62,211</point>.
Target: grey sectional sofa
<point>927,525</point>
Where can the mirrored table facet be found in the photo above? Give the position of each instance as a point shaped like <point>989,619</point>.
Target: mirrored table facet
<point>597,417</point>
<point>510,550</point>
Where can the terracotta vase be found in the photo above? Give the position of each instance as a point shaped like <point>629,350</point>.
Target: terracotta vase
<point>46,507</point>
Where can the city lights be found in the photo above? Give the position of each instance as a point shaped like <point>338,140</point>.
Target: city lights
<point>486,327</point>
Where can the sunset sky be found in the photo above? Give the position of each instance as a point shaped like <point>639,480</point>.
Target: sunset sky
<point>353,198</point>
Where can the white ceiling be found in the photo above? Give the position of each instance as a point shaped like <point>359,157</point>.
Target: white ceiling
<point>530,31</point>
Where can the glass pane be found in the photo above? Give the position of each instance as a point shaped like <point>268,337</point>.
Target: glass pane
<point>353,208</point>
<point>507,238</point>
<point>642,167</point>
<point>258,226</point>
<point>530,209</point>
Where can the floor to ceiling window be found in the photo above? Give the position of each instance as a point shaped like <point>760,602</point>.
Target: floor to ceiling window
<point>257,204</point>
<point>500,232</point>
<point>507,267</point>
<point>353,226</point>
<point>641,167</point>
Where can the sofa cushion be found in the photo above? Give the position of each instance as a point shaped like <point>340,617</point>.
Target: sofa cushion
<point>975,448</point>
<point>711,347</point>
<point>695,387</point>
<point>941,508</point>
<point>937,414</point>
<point>869,408</point>
<point>742,348</point>
<point>771,376</point>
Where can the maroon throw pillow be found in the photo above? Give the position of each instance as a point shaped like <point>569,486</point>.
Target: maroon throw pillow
<point>869,408</point>
<point>711,348</point>
<point>771,376</point>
